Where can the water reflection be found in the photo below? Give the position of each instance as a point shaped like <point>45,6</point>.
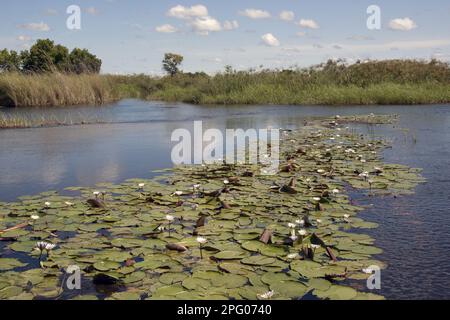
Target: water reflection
<point>413,230</point>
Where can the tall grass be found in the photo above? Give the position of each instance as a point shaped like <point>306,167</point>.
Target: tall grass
<point>331,83</point>
<point>55,89</point>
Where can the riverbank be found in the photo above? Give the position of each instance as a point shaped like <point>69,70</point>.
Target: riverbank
<point>390,82</point>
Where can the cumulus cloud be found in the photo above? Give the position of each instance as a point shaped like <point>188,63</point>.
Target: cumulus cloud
<point>287,15</point>
<point>308,23</point>
<point>230,25</point>
<point>402,24</point>
<point>166,28</point>
<point>205,25</point>
<point>270,40</point>
<point>182,12</point>
<point>255,14</point>
<point>36,26</point>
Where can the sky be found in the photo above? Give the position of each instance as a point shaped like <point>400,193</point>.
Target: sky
<point>131,36</point>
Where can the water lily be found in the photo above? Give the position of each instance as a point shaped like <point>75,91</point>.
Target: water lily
<point>315,246</point>
<point>346,216</point>
<point>266,295</point>
<point>320,171</point>
<point>34,217</point>
<point>226,181</point>
<point>201,242</point>
<point>318,221</point>
<point>302,232</point>
<point>196,186</point>
<point>292,256</point>
<point>41,245</point>
<point>335,191</point>
<point>316,198</point>
<point>293,236</point>
<point>170,219</point>
<point>178,193</point>
<point>367,271</point>
<point>300,222</point>
<point>47,204</point>
<point>141,186</point>
<point>291,225</point>
<point>68,203</point>
<point>50,246</point>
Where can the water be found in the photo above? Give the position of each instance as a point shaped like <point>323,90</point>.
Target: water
<point>413,232</point>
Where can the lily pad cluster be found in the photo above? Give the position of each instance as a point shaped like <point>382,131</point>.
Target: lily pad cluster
<point>219,231</point>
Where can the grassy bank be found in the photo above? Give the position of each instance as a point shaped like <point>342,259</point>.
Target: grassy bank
<point>331,83</point>
<point>55,89</point>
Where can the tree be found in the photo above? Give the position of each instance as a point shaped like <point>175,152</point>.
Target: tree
<point>81,61</point>
<point>45,56</point>
<point>9,61</point>
<point>171,63</point>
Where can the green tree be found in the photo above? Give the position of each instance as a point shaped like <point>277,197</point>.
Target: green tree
<point>171,63</point>
<point>9,61</point>
<point>81,61</point>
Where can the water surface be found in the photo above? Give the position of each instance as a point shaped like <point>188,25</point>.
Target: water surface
<point>413,232</point>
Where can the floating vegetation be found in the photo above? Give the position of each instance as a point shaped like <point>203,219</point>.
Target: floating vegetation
<point>210,232</point>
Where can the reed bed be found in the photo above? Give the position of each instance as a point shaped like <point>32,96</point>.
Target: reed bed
<point>55,89</point>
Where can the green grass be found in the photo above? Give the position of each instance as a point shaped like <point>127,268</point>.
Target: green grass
<point>331,83</point>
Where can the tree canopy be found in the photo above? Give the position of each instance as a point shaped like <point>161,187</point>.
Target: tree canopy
<point>46,56</point>
<point>171,63</point>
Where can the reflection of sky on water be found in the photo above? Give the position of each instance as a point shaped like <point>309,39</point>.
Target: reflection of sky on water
<point>413,230</point>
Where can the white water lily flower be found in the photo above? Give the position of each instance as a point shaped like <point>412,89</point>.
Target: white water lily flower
<point>300,222</point>
<point>178,193</point>
<point>291,225</point>
<point>320,171</point>
<point>141,185</point>
<point>346,216</point>
<point>266,295</point>
<point>96,193</point>
<point>363,161</point>
<point>201,240</point>
<point>335,191</point>
<point>47,204</point>
<point>302,232</point>
<point>161,228</point>
<point>315,246</point>
<point>50,246</point>
<point>226,181</point>
<point>367,271</point>
<point>292,256</point>
<point>35,217</point>
<point>68,203</point>
<point>41,245</point>
<point>370,181</point>
<point>196,186</point>
<point>170,218</point>
<point>316,198</point>
<point>318,221</point>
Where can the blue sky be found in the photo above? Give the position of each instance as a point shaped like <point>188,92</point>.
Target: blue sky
<point>131,36</point>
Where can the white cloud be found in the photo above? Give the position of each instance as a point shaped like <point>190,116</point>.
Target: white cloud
<point>270,40</point>
<point>308,23</point>
<point>51,12</point>
<point>205,25</point>
<point>23,38</point>
<point>36,26</point>
<point>166,28</point>
<point>230,25</point>
<point>287,15</point>
<point>255,14</point>
<point>402,24</point>
<point>92,10</point>
<point>182,12</point>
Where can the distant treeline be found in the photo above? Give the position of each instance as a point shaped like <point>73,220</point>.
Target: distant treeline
<point>46,56</point>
